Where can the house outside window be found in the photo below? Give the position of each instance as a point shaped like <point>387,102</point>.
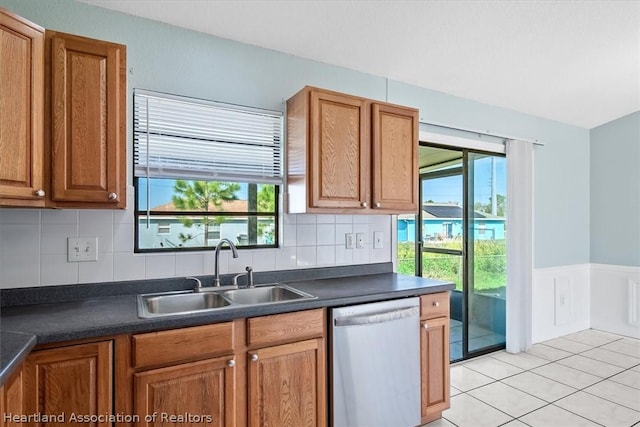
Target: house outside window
<point>164,228</point>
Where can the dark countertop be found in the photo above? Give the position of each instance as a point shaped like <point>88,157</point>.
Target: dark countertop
<point>112,315</point>
<point>14,347</point>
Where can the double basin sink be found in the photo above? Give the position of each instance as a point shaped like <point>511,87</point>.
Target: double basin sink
<point>188,302</point>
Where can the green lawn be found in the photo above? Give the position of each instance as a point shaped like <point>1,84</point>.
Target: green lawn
<point>490,264</point>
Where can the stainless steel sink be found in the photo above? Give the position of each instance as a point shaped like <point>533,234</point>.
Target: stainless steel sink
<point>152,305</point>
<point>265,295</point>
<point>187,302</point>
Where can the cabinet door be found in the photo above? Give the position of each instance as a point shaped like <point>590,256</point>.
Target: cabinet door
<point>434,356</point>
<point>88,85</point>
<point>395,158</point>
<point>21,111</point>
<point>12,399</point>
<point>70,380</point>
<point>287,385</point>
<point>204,391</point>
<point>339,151</point>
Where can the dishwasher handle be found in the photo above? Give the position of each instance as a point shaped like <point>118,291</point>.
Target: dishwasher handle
<point>380,317</point>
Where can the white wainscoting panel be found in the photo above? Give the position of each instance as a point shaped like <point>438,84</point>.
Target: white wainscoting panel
<point>560,301</point>
<point>615,296</point>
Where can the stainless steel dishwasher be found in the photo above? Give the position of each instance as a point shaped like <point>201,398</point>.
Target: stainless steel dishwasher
<point>376,364</point>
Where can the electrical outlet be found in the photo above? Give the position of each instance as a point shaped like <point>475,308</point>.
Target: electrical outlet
<point>350,241</point>
<point>377,240</point>
<point>359,240</point>
<point>82,249</point>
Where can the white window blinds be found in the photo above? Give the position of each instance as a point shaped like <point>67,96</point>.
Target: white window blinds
<point>186,138</point>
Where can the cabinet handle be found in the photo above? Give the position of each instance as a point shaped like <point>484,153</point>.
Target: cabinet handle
<point>231,363</point>
<point>378,205</point>
<point>40,193</point>
<point>424,325</point>
<point>254,357</point>
<point>363,204</point>
<point>436,304</point>
<point>112,196</point>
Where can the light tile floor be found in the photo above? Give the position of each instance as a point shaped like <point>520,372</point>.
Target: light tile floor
<point>589,378</point>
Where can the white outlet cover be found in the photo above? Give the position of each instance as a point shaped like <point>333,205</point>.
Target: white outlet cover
<point>377,240</point>
<point>562,312</point>
<point>359,240</point>
<point>80,249</point>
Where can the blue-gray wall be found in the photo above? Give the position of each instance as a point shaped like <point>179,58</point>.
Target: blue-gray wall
<point>174,60</point>
<point>615,192</point>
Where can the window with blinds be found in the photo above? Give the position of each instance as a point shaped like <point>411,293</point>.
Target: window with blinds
<point>204,171</point>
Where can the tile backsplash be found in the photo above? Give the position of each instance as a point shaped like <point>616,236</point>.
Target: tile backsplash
<point>33,247</point>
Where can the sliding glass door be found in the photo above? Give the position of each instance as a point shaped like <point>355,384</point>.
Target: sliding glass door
<point>486,251</point>
<point>459,236</point>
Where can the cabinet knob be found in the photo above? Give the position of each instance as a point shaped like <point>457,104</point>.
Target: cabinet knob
<point>40,193</point>
<point>436,304</point>
<point>424,325</point>
<point>231,363</point>
<point>112,196</point>
<point>363,204</point>
<point>254,357</point>
<point>378,205</point>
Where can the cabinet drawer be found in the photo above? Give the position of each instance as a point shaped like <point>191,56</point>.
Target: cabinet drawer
<point>280,328</point>
<point>434,305</point>
<point>176,345</point>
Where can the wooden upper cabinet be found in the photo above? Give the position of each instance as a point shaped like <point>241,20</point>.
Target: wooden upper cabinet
<point>395,157</point>
<point>87,128</point>
<point>21,111</point>
<point>339,151</point>
<point>347,154</point>
<point>62,118</point>
<point>73,379</point>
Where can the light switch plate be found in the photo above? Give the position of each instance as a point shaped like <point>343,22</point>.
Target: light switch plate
<point>359,240</point>
<point>82,249</point>
<point>350,241</point>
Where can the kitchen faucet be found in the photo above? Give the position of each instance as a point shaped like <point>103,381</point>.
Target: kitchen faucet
<point>234,252</point>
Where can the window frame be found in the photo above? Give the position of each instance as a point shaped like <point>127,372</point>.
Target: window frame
<point>264,175</point>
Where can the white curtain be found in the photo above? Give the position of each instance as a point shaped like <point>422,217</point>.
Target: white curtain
<point>519,244</point>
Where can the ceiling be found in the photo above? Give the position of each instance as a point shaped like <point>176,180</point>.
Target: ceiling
<point>576,62</point>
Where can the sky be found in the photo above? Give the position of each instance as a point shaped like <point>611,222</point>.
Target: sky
<point>162,191</point>
<point>449,189</point>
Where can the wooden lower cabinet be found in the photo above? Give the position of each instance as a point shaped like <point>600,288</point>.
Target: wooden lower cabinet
<point>261,371</point>
<point>199,393</point>
<point>287,385</point>
<point>434,356</point>
<point>286,369</point>
<point>12,399</point>
<point>69,382</point>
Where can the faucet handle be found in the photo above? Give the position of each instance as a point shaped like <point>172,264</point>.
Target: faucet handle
<point>236,277</point>
<point>198,283</point>
<point>249,274</point>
